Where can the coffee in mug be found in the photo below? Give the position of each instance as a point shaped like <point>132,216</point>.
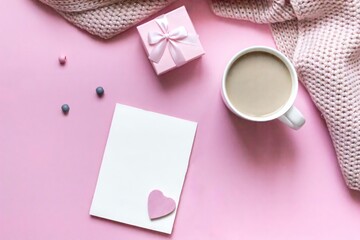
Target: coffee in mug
<point>260,84</point>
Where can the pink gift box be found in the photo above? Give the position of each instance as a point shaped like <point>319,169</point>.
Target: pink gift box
<point>170,40</point>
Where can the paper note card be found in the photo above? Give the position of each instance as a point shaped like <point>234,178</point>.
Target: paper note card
<point>145,151</point>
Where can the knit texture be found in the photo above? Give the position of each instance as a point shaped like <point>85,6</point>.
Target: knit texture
<point>322,38</point>
<point>106,18</point>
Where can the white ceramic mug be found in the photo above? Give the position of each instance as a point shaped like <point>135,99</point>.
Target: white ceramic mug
<point>288,114</point>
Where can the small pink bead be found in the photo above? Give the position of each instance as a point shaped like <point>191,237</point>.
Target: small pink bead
<point>62,59</point>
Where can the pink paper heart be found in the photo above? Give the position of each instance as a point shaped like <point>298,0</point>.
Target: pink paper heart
<point>159,205</point>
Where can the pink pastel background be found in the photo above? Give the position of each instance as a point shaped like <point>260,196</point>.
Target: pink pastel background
<point>245,180</point>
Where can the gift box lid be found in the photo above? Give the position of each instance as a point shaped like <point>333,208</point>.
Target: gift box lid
<point>179,41</point>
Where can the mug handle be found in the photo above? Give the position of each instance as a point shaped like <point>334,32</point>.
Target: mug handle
<point>293,118</point>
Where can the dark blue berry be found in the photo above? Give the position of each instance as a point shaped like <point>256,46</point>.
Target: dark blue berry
<point>65,108</point>
<point>100,91</point>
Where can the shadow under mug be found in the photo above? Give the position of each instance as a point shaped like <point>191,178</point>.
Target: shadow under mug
<point>288,114</point>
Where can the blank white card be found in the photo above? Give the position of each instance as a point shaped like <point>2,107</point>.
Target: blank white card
<point>144,151</point>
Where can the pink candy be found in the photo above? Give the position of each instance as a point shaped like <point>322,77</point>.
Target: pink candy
<point>62,59</point>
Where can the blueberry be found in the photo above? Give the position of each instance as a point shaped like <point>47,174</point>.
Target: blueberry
<point>65,108</point>
<point>100,91</point>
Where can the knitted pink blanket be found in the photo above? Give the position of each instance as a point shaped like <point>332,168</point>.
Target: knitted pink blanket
<point>322,37</point>
<point>106,18</point>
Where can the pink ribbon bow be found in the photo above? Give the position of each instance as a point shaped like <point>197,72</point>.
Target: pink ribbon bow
<point>161,40</point>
